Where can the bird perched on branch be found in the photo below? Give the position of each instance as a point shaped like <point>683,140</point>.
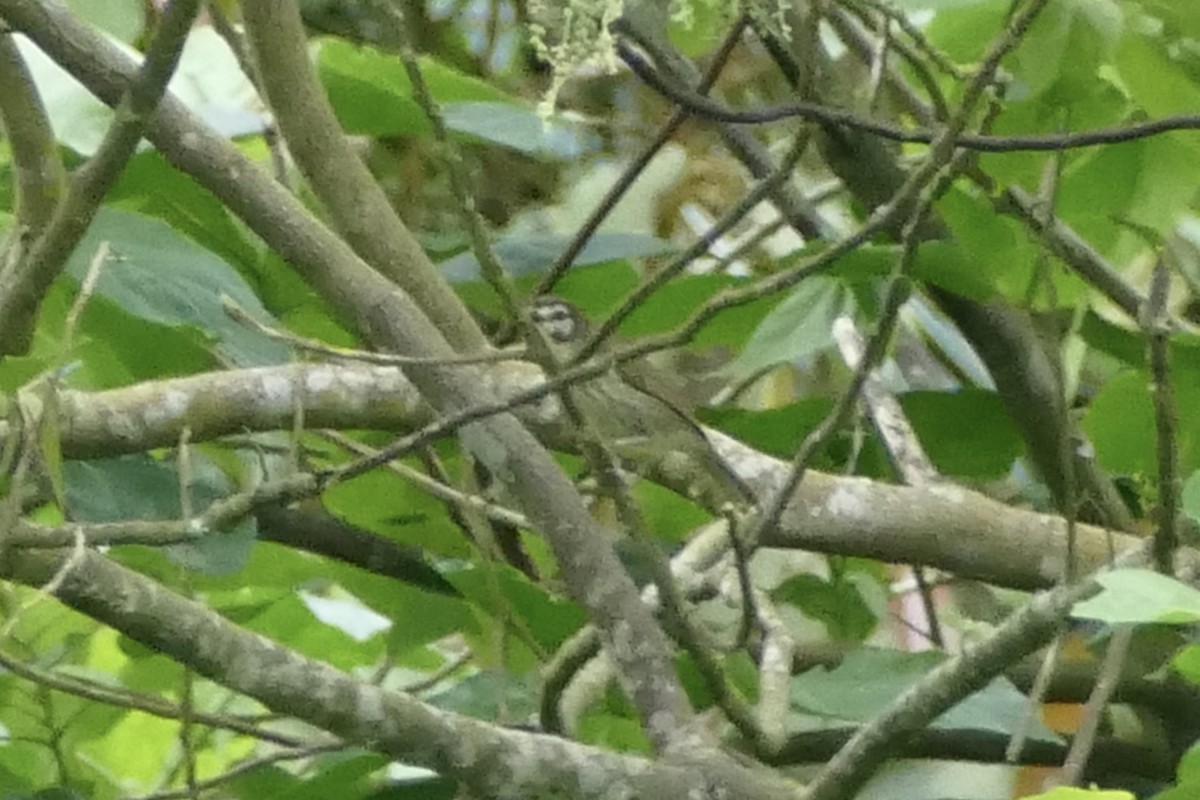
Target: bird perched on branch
<point>630,408</point>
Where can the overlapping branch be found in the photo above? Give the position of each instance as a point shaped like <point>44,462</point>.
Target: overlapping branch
<point>706,108</point>
<point>942,525</point>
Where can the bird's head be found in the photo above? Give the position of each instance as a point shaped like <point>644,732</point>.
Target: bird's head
<point>560,324</point>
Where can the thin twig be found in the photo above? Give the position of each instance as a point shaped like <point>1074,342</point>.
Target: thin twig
<point>922,43</point>
<point>704,108</point>
<point>903,447</point>
<point>958,677</point>
<point>1093,711</point>
<point>244,768</point>
<point>636,166</point>
<point>1157,326</point>
<point>48,588</point>
<point>436,488</point>
<point>87,288</point>
<point>664,274</point>
<point>244,317</point>
<point>842,775</point>
<point>489,262</point>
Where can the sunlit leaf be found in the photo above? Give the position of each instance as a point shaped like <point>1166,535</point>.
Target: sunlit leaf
<point>799,327</point>
<point>1140,595</point>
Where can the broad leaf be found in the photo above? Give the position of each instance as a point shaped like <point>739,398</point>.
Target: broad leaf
<point>159,275</point>
<point>1141,596</point>
<point>868,681</point>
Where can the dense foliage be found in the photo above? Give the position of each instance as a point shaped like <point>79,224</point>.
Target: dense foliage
<point>280,518</point>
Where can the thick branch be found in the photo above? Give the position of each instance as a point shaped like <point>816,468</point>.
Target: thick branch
<point>491,760</point>
<point>706,108</point>
<point>40,178</point>
<point>940,525</point>
<point>356,204</point>
<point>392,322</point>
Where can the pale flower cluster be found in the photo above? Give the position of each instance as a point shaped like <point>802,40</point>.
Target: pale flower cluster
<point>574,34</point>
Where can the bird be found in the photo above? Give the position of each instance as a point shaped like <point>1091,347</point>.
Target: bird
<point>631,408</point>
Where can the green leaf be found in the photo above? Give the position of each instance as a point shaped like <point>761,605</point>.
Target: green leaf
<point>211,83</point>
<point>1120,420</point>
<point>998,250</point>
<point>152,187</point>
<point>268,780</point>
<point>217,553</point>
<point>138,743</point>
<point>491,696</point>
<point>289,621</point>
<point>1123,345</point>
<point>1156,80</point>
<point>514,127</point>
<point>417,788</point>
<point>837,603</point>
<point>383,504</point>
<point>208,80</point>
<point>533,254</point>
<point>371,93</point>
<point>936,5</point>
<point>418,617</point>
<point>670,517</point>
<point>549,618</point>
<point>345,774</point>
<point>799,327</point>
<point>613,732</point>
<point>1148,182</point>
<point>966,433</point>
<point>1189,766</point>
<point>119,348</point>
<point>16,371</point>
<point>776,431</point>
<point>121,488</point>
<point>1120,424</point>
<point>963,30</point>
<point>285,294</point>
<point>1179,19</point>
<point>53,792</point>
<point>1187,663</point>
<point>697,33</point>
<point>138,487</point>
<point>78,118</point>
<point>869,680</point>
<point>1064,49</point>
<point>1190,501</point>
<point>949,265</point>
<point>862,265</point>
<point>120,18</point>
<point>156,274</point>
<point>18,787</point>
<point>674,304</point>
<point>1141,596</point>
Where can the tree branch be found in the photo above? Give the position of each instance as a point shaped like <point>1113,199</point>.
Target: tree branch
<point>945,525</point>
<point>356,204</point>
<point>490,760</point>
<point>389,319</point>
<point>38,172</point>
<point>25,281</point>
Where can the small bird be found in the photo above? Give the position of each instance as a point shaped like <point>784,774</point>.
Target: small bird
<point>630,407</point>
